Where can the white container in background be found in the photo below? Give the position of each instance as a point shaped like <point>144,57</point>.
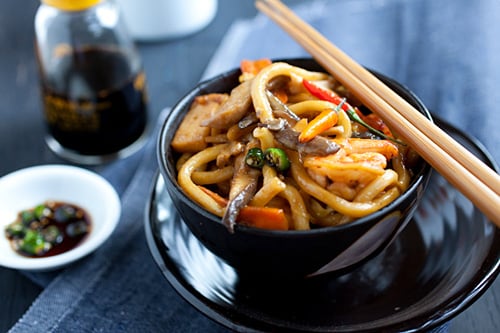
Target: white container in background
<point>150,20</point>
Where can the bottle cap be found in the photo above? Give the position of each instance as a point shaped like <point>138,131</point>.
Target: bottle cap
<point>71,5</point>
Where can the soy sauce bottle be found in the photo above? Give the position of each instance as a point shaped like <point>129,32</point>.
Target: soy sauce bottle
<point>93,86</point>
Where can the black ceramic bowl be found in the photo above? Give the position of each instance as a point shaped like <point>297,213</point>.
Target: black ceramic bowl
<point>291,253</point>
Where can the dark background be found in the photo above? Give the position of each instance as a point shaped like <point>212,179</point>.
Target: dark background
<point>172,68</point>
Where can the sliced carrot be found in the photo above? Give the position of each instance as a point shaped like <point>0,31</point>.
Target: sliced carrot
<point>327,95</point>
<point>376,122</point>
<point>318,125</point>
<point>258,217</point>
<point>254,66</point>
<point>281,95</point>
<point>264,217</point>
<point>220,200</point>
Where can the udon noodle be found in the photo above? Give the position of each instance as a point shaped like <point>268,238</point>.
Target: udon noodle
<point>288,148</point>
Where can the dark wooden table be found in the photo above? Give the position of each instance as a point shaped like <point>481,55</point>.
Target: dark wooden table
<point>172,67</point>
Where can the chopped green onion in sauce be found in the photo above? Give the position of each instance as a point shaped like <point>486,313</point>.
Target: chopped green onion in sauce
<point>48,229</point>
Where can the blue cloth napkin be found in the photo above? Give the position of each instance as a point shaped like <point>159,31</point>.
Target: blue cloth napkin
<point>446,51</point>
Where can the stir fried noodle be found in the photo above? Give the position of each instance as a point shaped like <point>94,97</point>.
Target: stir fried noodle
<point>287,149</point>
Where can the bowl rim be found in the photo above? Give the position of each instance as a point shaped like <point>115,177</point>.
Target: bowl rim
<point>103,193</point>
<point>171,177</point>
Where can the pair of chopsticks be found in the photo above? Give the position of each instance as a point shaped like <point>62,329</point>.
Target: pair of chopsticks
<point>479,183</point>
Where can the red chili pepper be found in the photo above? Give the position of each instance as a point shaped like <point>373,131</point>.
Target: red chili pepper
<point>371,122</point>
<point>376,122</point>
<point>324,94</point>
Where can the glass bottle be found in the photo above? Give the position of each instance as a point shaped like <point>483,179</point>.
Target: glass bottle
<point>92,82</point>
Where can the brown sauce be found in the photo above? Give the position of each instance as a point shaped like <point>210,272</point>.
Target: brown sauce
<point>94,102</point>
<point>48,229</point>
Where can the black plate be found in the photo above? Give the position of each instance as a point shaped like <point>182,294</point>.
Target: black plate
<point>447,256</point>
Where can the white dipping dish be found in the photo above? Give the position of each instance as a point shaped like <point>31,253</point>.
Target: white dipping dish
<point>26,188</point>
<point>153,20</point>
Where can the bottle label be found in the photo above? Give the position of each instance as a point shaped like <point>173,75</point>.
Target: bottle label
<point>69,116</point>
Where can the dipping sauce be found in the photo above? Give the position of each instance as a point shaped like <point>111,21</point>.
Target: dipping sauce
<point>48,229</point>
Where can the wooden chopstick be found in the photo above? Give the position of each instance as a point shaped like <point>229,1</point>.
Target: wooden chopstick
<point>449,145</point>
<point>461,168</point>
